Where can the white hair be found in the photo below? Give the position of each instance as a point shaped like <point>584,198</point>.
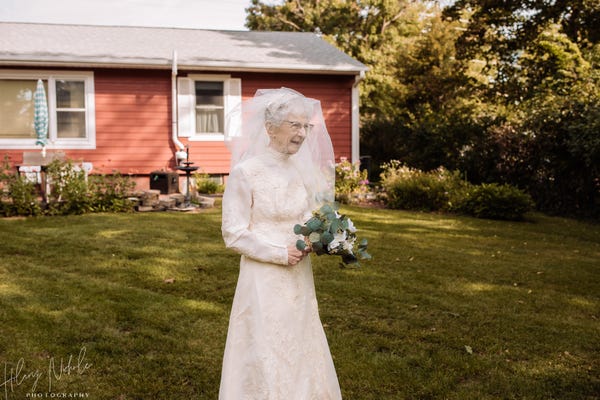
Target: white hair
<point>280,108</point>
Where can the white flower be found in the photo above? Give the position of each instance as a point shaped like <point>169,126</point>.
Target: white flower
<point>351,227</point>
<point>338,239</point>
<point>348,245</point>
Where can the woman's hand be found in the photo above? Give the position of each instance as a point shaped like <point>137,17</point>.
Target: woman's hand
<point>295,255</point>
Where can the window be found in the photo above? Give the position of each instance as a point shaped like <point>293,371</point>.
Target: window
<point>70,109</point>
<point>203,104</point>
<point>209,107</point>
<point>70,97</point>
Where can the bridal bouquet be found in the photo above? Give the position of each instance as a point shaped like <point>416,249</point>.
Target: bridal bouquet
<point>328,232</point>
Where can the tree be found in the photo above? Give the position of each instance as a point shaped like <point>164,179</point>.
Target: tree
<point>503,26</point>
<point>371,31</point>
<point>563,122</point>
<point>497,31</point>
<point>506,90</point>
<point>438,112</point>
<point>547,140</point>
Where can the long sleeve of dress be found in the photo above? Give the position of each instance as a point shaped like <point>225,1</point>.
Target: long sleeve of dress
<point>236,221</point>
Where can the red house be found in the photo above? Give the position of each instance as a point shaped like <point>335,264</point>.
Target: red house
<point>130,98</point>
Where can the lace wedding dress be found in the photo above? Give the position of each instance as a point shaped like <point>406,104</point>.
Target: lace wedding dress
<point>276,347</point>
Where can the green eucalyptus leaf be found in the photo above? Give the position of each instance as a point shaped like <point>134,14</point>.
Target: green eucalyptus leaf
<point>335,226</point>
<point>313,224</point>
<point>331,216</point>
<point>300,244</point>
<point>344,223</point>
<point>326,209</point>
<point>326,237</point>
<point>297,229</point>
<point>364,255</point>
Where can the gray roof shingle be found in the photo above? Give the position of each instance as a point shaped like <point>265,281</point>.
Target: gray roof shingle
<point>85,45</point>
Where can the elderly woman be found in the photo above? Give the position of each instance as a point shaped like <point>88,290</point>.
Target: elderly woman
<point>282,169</point>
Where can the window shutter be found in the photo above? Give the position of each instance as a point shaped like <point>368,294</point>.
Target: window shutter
<point>234,99</point>
<point>186,107</point>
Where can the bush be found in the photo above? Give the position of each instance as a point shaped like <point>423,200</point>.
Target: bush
<point>442,190</point>
<point>206,184</point>
<point>18,195</point>
<point>412,189</point>
<point>73,193</point>
<point>110,192</point>
<point>70,192</point>
<point>351,184</point>
<point>495,201</point>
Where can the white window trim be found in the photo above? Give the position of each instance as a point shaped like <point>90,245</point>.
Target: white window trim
<point>89,142</point>
<point>228,102</point>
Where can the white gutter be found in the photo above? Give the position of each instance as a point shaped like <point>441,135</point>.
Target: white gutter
<point>180,154</point>
<point>356,117</point>
<point>160,64</point>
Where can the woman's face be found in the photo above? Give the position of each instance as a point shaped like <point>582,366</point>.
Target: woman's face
<point>288,137</point>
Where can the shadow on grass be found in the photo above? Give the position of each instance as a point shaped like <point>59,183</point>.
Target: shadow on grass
<point>450,307</point>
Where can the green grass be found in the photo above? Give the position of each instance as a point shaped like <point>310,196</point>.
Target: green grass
<point>450,307</point>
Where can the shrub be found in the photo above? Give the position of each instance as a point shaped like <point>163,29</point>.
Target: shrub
<point>110,192</point>
<point>69,192</point>
<point>495,201</point>
<point>18,195</point>
<point>20,198</point>
<point>206,184</point>
<point>412,189</point>
<point>351,184</point>
<point>74,193</point>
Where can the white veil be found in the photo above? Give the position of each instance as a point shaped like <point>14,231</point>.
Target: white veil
<point>246,137</point>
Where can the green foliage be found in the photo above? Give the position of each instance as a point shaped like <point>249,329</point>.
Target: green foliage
<point>71,192</point>
<point>329,232</point>
<point>206,184</point>
<point>23,198</point>
<point>110,192</point>
<point>548,142</point>
<point>351,184</point>
<point>18,196</point>
<point>412,189</point>
<point>504,26</point>
<point>371,31</point>
<point>505,91</point>
<point>495,201</point>
<point>441,190</point>
<point>438,109</point>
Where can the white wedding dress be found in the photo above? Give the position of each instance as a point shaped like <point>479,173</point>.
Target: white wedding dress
<point>276,347</point>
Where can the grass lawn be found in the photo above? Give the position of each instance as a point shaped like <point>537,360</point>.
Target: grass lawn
<point>135,306</point>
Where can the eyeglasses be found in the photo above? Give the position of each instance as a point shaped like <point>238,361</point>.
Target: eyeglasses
<point>299,125</point>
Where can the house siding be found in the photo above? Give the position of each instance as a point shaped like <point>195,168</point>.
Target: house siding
<point>133,122</point>
<point>133,119</point>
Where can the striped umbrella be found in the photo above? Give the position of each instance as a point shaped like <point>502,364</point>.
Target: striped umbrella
<point>40,115</point>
